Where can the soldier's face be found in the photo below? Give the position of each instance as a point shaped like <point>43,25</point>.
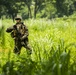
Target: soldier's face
<point>17,21</point>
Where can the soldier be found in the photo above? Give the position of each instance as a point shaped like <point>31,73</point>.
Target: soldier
<point>19,33</point>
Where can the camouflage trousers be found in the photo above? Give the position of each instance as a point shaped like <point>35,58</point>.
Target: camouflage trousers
<point>19,45</point>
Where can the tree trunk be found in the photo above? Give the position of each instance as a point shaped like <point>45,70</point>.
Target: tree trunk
<point>13,16</point>
<point>35,12</point>
<point>29,12</point>
<point>35,9</point>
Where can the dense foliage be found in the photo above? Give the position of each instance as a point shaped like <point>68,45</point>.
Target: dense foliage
<point>37,8</point>
<point>54,49</point>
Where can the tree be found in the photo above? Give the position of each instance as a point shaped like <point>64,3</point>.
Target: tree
<point>13,8</point>
<point>28,4</point>
<point>37,8</point>
<point>39,5</point>
<point>63,7</point>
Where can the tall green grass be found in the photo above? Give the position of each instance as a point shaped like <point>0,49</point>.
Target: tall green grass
<point>53,44</point>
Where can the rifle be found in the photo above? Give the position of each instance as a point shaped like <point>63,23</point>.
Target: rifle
<point>15,33</point>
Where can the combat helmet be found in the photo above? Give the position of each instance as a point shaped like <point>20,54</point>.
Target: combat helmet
<point>18,17</point>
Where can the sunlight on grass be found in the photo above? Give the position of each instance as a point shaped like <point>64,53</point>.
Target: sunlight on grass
<point>54,49</point>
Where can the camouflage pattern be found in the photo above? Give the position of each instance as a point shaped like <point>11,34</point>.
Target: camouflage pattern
<point>19,32</point>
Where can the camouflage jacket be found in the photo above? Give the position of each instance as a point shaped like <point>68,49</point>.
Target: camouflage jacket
<point>18,31</point>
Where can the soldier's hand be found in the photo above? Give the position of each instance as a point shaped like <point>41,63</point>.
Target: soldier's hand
<point>22,38</point>
<point>14,38</point>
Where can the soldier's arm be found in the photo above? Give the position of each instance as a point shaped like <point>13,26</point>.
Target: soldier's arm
<point>26,33</point>
<point>9,29</point>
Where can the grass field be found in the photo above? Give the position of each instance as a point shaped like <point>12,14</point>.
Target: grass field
<point>54,48</point>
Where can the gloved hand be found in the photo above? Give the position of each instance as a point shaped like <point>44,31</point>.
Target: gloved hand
<point>22,43</point>
<point>23,37</point>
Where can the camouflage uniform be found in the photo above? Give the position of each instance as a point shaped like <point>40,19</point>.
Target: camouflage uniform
<point>19,32</point>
